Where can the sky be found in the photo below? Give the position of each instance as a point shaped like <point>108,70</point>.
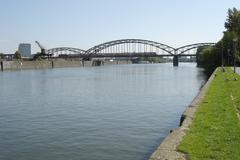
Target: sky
<point>86,23</point>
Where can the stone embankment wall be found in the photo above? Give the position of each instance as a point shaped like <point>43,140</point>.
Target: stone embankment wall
<point>168,148</point>
<point>116,62</point>
<point>18,65</point>
<point>65,64</point>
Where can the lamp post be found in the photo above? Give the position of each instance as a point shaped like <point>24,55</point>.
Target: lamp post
<point>228,50</point>
<point>222,55</point>
<point>234,52</point>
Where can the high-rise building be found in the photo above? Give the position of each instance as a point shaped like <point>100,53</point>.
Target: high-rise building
<point>25,49</point>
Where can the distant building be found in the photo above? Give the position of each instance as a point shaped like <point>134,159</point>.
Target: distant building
<point>25,49</point>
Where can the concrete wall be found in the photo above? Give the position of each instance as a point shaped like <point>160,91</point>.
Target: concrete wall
<point>124,62</point>
<point>17,65</point>
<point>65,64</point>
<point>87,63</point>
<point>106,63</point>
<point>116,62</point>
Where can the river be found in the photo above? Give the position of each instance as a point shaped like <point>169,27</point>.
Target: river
<point>119,112</point>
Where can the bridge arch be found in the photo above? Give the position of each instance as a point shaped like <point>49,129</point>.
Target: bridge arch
<point>66,51</point>
<point>181,50</point>
<point>128,45</point>
<point>184,49</point>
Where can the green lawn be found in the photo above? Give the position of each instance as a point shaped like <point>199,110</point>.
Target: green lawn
<point>215,131</point>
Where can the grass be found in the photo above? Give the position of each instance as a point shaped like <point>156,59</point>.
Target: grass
<point>215,131</point>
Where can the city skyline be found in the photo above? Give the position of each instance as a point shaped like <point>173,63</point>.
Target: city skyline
<point>83,24</point>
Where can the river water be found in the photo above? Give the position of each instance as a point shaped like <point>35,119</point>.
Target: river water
<point>119,112</point>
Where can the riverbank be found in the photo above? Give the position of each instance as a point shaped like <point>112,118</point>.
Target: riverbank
<point>47,64</point>
<point>213,132</point>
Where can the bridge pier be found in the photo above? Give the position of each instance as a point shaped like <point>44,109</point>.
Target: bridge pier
<point>175,60</point>
<point>1,65</point>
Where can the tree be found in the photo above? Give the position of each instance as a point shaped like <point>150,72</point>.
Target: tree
<point>152,59</point>
<point>232,26</point>
<point>210,57</point>
<point>233,21</point>
<point>17,55</point>
<point>38,56</point>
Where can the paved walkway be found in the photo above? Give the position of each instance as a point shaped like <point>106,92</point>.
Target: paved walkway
<point>238,70</point>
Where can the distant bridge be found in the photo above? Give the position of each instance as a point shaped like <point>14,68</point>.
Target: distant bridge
<point>130,48</point>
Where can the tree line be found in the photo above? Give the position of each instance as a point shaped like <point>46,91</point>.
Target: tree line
<point>226,50</point>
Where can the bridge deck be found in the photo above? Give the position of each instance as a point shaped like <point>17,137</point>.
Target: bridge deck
<point>143,54</point>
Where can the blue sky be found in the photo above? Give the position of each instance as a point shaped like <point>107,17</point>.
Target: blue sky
<point>85,23</point>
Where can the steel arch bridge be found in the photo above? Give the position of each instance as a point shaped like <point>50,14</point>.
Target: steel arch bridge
<point>130,48</point>
<point>134,45</point>
<point>141,48</point>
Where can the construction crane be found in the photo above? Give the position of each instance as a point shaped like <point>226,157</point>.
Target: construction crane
<point>43,50</point>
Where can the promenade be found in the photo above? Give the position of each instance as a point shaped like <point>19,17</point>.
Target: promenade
<point>238,70</point>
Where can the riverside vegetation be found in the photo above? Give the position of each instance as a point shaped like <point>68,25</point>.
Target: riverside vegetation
<point>226,49</point>
<point>214,133</point>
